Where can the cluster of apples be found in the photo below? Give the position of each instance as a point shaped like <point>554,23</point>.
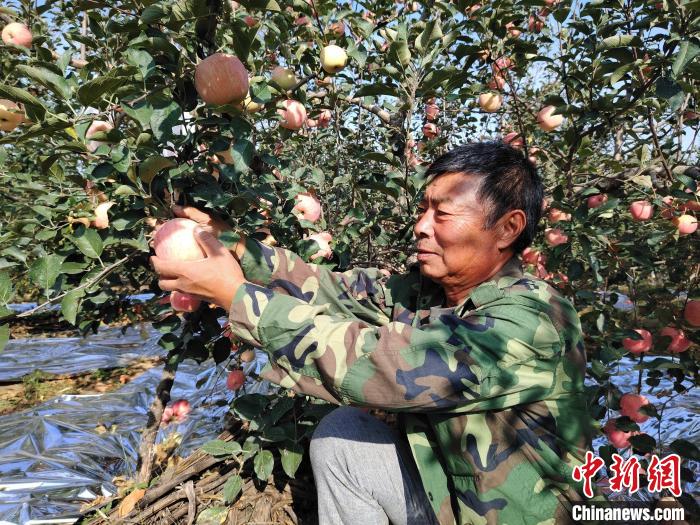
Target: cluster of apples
<point>630,406</point>
<point>679,341</point>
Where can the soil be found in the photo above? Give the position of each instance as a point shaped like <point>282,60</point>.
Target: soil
<point>37,387</point>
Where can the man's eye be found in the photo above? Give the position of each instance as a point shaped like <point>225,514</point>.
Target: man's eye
<point>440,212</point>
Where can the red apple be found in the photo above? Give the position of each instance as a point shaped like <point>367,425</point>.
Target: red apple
<point>181,408</point>
<point>556,215</point>
<point>324,118</point>
<point>308,206</point>
<point>431,111</point>
<point>221,79</point>
<point>686,224</point>
<point>235,379</point>
<point>535,24</point>
<point>514,139</point>
<point>530,256</point>
<point>547,120</point>
<point>293,114</point>
<point>250,21</point>
<point>497,82</point>
<point>501,65</point>
<point>595,201</point>
<point>669,206</point>
<point>638,346</point>
<point>101,218</point>
<point>513,31</point>
<point>167,415</point>
<point>184,302</point>
<point>618,438</point>
<point>430,130</point>
<point>630,405</point>
<point>17,34</point>
<point>11,115</point>
<point>555,237</point>
<point>323,240</point>
<point>679,342</point>
<point>641,210</point>
<point>337,28</point>
<point>175,240</point>
<point>691,313</point>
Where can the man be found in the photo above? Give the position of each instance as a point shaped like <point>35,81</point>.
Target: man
<point>484,364</point>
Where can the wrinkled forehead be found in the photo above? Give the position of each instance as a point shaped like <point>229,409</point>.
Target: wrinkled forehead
<point>451,188</point>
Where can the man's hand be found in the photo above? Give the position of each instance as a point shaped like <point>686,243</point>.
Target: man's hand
<point>208,223</point>
<point>214,279</point>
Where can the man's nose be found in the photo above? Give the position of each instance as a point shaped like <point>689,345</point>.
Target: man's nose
<point>424,225</point>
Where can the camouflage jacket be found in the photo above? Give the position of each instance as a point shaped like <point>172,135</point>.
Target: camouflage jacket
<point>490,392</point>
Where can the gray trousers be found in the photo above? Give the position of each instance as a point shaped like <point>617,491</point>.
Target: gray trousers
<point>365,473</point>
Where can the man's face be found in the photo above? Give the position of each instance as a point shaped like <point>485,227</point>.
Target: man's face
<point>454,249</point>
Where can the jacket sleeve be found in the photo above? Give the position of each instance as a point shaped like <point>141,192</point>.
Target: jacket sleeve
<point>502,354</point>
<point>364,293</point>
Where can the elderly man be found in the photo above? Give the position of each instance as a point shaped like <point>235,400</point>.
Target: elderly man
<point>484,364</point>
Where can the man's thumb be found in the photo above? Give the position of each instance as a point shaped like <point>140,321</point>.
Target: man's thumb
<point>207,241</point>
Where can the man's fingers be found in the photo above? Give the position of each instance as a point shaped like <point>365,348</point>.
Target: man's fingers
<point>166,267</point>
<point>189,212</point>
<point>167,285</point>
<point>210,244</point>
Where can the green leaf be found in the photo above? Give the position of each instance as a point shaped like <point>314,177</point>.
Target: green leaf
<point>4,336</point>
<point>26,98</point>
<point>142,60</point>
<point>212,516</point>
<point>643,442</point>
<point>431,33</point>
<point>218,447</point>
<point>686,449</point>
<point>88,242</point>
<point>150,167</point>
<point>232,488</point>
<point>71,304</point>
<point>93,90</point>
<point>242,154</point>
<point>250,406</point>
<point>687,51</point>
<point>6,291</point>
<point>263,464</point>
<point>45,270</point>
<point>403,53</point>
<point>152,13</point>
<point>166,114</point>
<point>291,456</point>
<point>46,78</point>
<point>619,41</point>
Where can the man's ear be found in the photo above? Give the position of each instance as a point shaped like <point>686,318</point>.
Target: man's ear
<point>510,226</point>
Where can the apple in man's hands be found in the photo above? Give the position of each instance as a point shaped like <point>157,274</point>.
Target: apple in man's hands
<point>214,279</point>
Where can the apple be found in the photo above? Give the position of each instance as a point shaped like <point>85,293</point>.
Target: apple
<point>555,237</point>
<point>471,10</point>
<point>618,438</point>
<point>679,342</point>
<point>167,415</point>
<point>556,215</point>
<point>514,139</point>
<point>302,21</point>
<point>501,65</point>
<point>595,201</point>
<point>101,217</point>
<point>181,408</point>
<point>641,210</point>
<point>638,346</point>
<point>308,206</point>
<point>247,356</point>
<point>221,79</point>
<point>691,313</point>
<point>97,126</point>
<point>691,115</point>
<point>333,58</point>
<point>530,256</point>
<point>535,24</point>
<point>430,130</point>
<point>686,224</point>
<point>547,121</point>
<point>497,83</point>
<point>11,115</point>
<point>431,111</point>
<point>293,114</point>
<point>669,207</point>
<point>322,239</point>
<point>513,31</point>
<point>324,118</point>
<point>284,78</point>
<point>337,28</point>
<point>184,302</point>
<point>630,405</point>
<point>235,379</point>
<point>249,105</point>
<point>17,34</point>
<point>250,21</point>
<point>490,102</point>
